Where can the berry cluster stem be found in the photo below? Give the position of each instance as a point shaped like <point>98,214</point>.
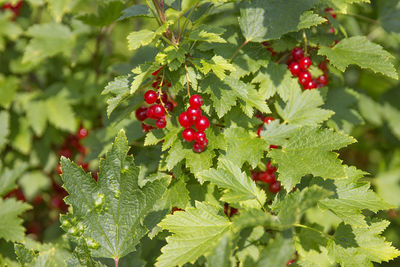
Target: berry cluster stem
<point>187,81</point>
<point>237,50</point>
<point>160,93</point>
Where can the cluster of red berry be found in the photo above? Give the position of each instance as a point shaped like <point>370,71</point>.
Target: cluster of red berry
<point>299,64</point>
<point>14,8</point>
<point>269,48</point>
<point>268,176</point>
<point>73,144</point>
<point>193,115</point>
<point>230,211</point>
<point>159,104</point>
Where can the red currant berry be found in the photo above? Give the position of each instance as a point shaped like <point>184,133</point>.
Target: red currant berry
<point>275,187</point>
<point>82,133</point>
<point>305,63</point>
<point>310,85</point>
<point>270,168</point>
<point>161,123</point>
<point>147,128</point>
<point>185,120</point>
<point>174,209</point>
<point>297,53</point>
<point>164,97</point>
<point>322,66</point>
<point>199,136</point>
<point>289,262</point>
<point>259,131</point>
<point>85,166</point>
<point>304,77</point>
<point>323,79</point>
<point>205,142</point>
<point>270,178</point>
<point>169,106</point>
<point>202,123</point>
<point>59,171</point>
<point>273,147</point>
<point>38,200</point>
<point>150,97</point>
<point>268,120</point>
<point>66,153</point>
<point>294,68</point>
<point>157,111</point>
<point>198,148</point>
<point>194,113</point>
<point>188,134</point>
<point>156,72</point>
<point>141,113</point>
<point>196,101</point>
<point>330,11</point>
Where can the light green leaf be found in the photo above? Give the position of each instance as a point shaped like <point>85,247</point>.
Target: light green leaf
<point>36,112</point>
<point>218,65</point>
<point>309,19</point>
<point>362,52</point>
<point>303,109</point>
<point>33,182</point>
<point>173,56</point>
<point>222,253</point>
<point>108,12</point>
<point>8,177</point>
<point>387,186</point>
<point>60,113</point>
<point>8,88</point>
<point>119,87</point>
<point>352,197</point>
<point>195,232</point>
<point>207,33</point>
<point>308,151</point>
<point>144,37</point>
<point>262,20</point>
<point>276,134</point>
<point>136,11</point>
<point>4,129</point>
<point>238,186</point>
<point>243,146</point>
<point>110,211</point>
<point>11,228</point>
<point>177,195</point>
<point>360,246</point>
<point>48,40</point>
<point>59,7</point>
<point>21,135</point>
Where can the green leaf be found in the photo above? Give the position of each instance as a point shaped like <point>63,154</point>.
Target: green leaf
<point>262,20</point>
<point>276,133</point>
<point>5,128</point>
<point>108,12</point>
<point>9,30</point>
<point>238,186</point>
<point>387,186</point>
<point>8,88</point>
<point>360,51</point>
<point>33,182</point>
<point>255,217</point>
<point>308,151</point>
<point>111,211</point>
<point>243,146</point>
<point>361,246</point>
<point>352,197</point>
<point>303,109</point>
<point>218,65</point>
<point>173,56</point>
<point>144,37</point>
<point>136,11</point>
<point>392,116</point>
<point>222,253</point>
<point>24,255</point>
<point>207,33</point>
<point>276,78</point>
<point>21,136</point>
<point>8,177</point>
<point>11,228</point>
<point>48,40</point>
<point>60,113</point>
<point>278,252</point>
<point>119,87</point>
<point>58,8</point>
<point>195,232</point>
<point>36,112</point>
<point>177,195</point>
<point>389,15</point>
<point>309,19</point>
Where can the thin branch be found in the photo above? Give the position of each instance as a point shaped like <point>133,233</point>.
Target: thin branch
<point>187,19</point>
<point>154,13</point>
<point>187,80</point>
<point>237,50</point>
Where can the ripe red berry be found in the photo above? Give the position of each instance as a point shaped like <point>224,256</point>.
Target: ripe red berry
<point>147,128</point>
<point>273,147</point>
<point>202,123</point>
<point>164,97</point>
<point>59,171</point>
<point>275,187</point>
<point>323,79</point>
<point>294,68</point>
<point>205,142</point>
<point>259,131</point>
<point>196,101</point>
<point>268,120</point>
<point>199,136</point>
<point>66,153</point>
<point>155,112</point>
<point>85,166</point>
<point>188,134</point>
<point>185,120</point>
<point>305,63</point>
<point>304,77</point>
<point>198,148</point>
<point>330,11</point>
<point>141,113</point>
<point>161,123</point>
<point>289,262</point>
<point>270,178</point>
<point>322,66</point>
<point>156,72</point>
<point>270,167</point>
<point>310,85</point>
<point>194,113</point>
<point>150,97</point>
<point>297,53</point>
<point>82,133</point>
<point>169,106</point>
